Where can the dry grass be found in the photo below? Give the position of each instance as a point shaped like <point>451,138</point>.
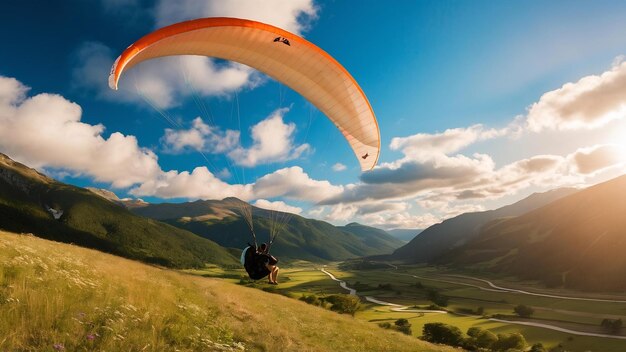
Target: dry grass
<point>63,297</point>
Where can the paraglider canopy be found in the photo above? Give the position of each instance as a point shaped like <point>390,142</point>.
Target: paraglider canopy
<point>286,57</point>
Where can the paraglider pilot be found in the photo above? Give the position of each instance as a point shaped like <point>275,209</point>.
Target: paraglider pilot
<point>270,263</point>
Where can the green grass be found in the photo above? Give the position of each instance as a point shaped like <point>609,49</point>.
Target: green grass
<point>58,294</point>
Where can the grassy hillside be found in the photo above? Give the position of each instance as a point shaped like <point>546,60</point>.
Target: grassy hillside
<point>452,233</point>
<point>302,238</point>
<point>32,202</point>
<point>577,241</point>
<point>76,299</point>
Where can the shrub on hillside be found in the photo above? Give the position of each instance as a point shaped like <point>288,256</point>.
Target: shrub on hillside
<point>312,300</point>
<point>437,298</point>
<point>344,304</point>
<point>442,333</point>
<point>538,347</point>
<point>523,311</point>
<point>506,342</point>
<point>474,331</point>
<point>479,339</point>
<point>486,339</point>
<point>612,325</point>
<point>403,326</point>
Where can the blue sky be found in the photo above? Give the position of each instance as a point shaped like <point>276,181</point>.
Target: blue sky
<point>472,98</point>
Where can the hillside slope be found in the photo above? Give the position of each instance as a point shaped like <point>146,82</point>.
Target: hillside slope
<point>578,241</point>
<point>302,238</point>
<point>373,237</point>
<point>33,202</point>
<point>405,235</point>
<point>451,233</point>
<point>77,299</point>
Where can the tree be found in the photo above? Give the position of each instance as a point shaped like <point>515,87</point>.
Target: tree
<point>442,333</point>
<point>474,331</point>
<point>312,299</point>
<point>404,326</point>
<point>612,325</point>
<point>515,341</point>
<point>486,339</point>
<point>538,347</point>
<point>437,298</point>
<point>344,304</point>
<point>523,311</point>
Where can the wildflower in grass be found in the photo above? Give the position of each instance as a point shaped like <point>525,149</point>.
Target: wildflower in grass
<point>91,337</point>
<point>58,347</point>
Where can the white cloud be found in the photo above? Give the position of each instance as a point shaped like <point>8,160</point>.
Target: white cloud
<point>294,183</point>
<point>591,102</point>
<point>46,131</point>
<point>272,141</point>
<point>277,206</point>
<point>199,184</point>
<point>200,137</point>
<point>597,158</point>
<point>292,15</point>
<point>423,146</point>
<point>402,220</point>
<point>163,82</point>
<point>339,167</point>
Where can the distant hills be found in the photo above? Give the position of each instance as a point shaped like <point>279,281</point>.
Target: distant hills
<point>404,235</point>
<point>578,241</point>
<point>302,238</point>
<point>32,202</point>
<point>440,238</point>
<point>175,235</point>
<point>375,237</point>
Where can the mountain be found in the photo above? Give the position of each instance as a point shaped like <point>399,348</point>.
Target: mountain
<point>578,241</point>
<point>451,233</point>
<point>301,238</point>
<point>404,235</point>
<point>373,236</point>
<point>32,202</point>
<point>126,202</point>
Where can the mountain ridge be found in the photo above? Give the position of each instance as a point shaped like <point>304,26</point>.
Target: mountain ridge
<point>31,202</point>
<point>450,233</point>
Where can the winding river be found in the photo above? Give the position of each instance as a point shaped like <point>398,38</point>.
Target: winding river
<point>401,308</point>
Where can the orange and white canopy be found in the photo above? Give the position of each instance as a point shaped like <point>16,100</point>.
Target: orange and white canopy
<point>282,55</point>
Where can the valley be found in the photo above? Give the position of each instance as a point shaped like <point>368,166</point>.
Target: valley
<point>566,318</point>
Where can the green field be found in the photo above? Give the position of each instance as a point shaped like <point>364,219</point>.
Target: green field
<point>300,279</point>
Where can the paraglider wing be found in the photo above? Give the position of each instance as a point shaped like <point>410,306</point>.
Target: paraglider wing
<point>282,55</point>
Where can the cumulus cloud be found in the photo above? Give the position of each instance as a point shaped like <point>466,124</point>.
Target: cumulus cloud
<point>424,146</point>
<point>163,82</point>
<point>294,183</point>
<point>199,184</point>
<point>591,102</point>
<point>373,208</point>
<point>339,167</point>
<point>593,159</point>
<point>277,206</point>
<point>45,130</point>
<point>200,137</point>
<point>272,141</point>
<point>292,15</point>
<point>402,220</point>
<point>434,175</point>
